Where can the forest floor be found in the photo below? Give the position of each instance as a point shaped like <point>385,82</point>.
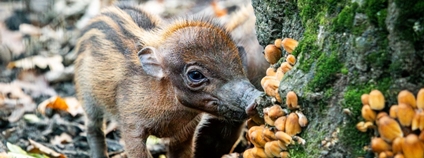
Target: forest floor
<point>39,114</point>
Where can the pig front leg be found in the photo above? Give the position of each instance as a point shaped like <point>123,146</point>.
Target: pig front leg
<point>181,149</point>
<point>96,138</point>
<point>94,124</point>
<point>135,137</point>
<point>181,143</point>
<point>216,137</point>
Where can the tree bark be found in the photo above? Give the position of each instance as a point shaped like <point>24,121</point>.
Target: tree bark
<point>346,49</point>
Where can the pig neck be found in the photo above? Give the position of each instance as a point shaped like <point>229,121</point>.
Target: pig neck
<point>180,118</point>
<point>163,97</point>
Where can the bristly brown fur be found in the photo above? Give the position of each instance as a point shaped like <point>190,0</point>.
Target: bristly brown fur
<point>157,36</point>
<point>239,18</point>
<point>133,67</point>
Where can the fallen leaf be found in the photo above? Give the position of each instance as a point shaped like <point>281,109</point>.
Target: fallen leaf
<point>15,149</point>
<point>66,74</point>
<point>69,104</point>
<point>34,84</point>
<point>45,150</point>
<point>74,106</point>
<point>61,139</point>
<point>15,101</point>
<point>16,114</point>
<point>53,62</point>
<point>12,39</point>
<point>49,103</point>
<point>32,118</point>
<point>29,29</point>
<point>15,155</point>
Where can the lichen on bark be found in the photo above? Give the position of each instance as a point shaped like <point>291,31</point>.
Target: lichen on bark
<point>346,48</point>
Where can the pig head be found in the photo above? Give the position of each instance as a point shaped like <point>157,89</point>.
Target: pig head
<point>206,70</point>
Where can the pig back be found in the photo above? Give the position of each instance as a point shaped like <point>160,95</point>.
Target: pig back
<point>107,52</point>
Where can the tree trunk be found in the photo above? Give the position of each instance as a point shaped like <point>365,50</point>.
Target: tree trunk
<point>346,48</point>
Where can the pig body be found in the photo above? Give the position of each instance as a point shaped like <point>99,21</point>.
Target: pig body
<point>158,79</point>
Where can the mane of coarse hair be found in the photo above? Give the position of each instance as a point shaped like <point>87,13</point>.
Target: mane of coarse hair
<point>156,37</point>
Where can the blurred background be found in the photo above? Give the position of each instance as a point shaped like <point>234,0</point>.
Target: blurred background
<point>39,114</point>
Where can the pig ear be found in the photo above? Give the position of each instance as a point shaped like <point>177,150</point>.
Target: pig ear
<point>150,62</point>
<point>243,57</point>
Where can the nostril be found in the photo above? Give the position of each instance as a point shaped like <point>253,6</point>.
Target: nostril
<point>251,109</point>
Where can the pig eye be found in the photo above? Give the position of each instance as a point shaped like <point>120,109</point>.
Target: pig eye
<point>195,76</point>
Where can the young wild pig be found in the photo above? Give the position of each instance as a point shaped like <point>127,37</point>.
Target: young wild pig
<point>241,24</point>
<point>158,80</point>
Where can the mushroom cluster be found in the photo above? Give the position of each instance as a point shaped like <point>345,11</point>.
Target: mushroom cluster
<point>272,53</point>
<point>279,131</point>
<point>400,129</point>
<point>272,135</point>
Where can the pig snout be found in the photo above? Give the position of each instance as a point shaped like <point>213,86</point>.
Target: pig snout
<point>240,99</point>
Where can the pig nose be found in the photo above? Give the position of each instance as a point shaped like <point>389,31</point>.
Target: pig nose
<point>251,109</point>
<point>253,94</point>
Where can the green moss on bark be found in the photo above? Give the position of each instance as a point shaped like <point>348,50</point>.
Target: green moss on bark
<point>373,9</point>
<point>326,71</point>
<point>335,72</point>
<point>344,20</point>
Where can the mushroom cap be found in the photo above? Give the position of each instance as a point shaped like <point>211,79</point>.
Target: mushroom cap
<point>292,125</point>
<point>368,114</point>
<point>412,147</point>
<point>258,152</point>
<point>388,128</point>
<point>378,145</point>
<point>272,149</point>
<point>397,145</point>
<point>257,139</point>
<point>284,154</point>
<point>275,112</point>
<point>268,134</point>
<point>291,100</point>
<point>270,71</point>
<point>418,121</point>
<point>280,123</point>
<point>415,124</point>
<point>291,59</point>
<point>369,125</point>
<point>364,99</point>
<point>284,137</point>
<point>405,113</point>
<point>279,74</point>
<point>278,96</point>
<point>289,44</point>
<point>270,86</point>
<point>381,114</point>
<point>407,97</point>
<point>268,120</point>
<point>393,111</point>
<point>399,155</point>
<point>385,154</point>
<point>248,153</point>
<point>272,53</point>
<point>376,100</point>
<point>278,42</point>
<point>303,121</point>
<point>285,67</point>
<point>360,126</point>
<point>420,99</point>
<point>267,78</point>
